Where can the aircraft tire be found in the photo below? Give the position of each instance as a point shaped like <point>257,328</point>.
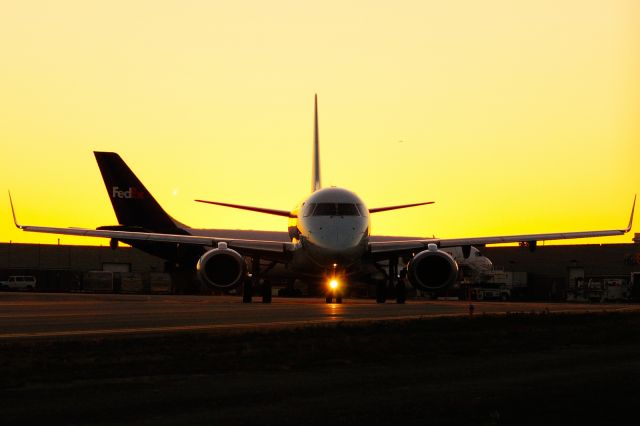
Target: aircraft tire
<point>401,293</point>
<point>266,291</point>
<point>381,292</point>
<point>247,290</point>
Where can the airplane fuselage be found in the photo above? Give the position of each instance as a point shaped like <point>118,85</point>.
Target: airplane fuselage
<point>331,230</point>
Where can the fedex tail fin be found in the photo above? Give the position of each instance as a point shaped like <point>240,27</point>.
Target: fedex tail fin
<point>315,182</point>
<point>132,202</point>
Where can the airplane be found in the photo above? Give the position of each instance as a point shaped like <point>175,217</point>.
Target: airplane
<point>329,239</point>
<point>474,264</point>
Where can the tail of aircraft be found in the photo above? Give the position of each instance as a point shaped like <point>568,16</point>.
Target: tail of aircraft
<point>132,202</point>
<point>315,178</point>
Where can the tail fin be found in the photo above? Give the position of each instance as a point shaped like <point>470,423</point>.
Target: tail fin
<point>132,202</point>
<point>315,182</point>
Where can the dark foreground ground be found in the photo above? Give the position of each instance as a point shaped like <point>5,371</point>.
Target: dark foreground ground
<point>514,369</point>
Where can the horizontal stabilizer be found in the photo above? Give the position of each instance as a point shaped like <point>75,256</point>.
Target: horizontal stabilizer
<point>284,213</point>
<point>404,206</point>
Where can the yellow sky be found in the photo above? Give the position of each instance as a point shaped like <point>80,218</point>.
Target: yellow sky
<point>514,116</point>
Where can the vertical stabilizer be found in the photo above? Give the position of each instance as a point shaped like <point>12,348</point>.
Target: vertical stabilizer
<point>315,182</point>
<point>132,202</point>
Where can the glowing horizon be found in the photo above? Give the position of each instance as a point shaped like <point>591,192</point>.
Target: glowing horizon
<point>513,118</point>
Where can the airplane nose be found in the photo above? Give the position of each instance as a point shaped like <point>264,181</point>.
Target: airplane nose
<point>336,235</point>
<point>334,241</point>
<point>344,239</point>
<point>337,239</point>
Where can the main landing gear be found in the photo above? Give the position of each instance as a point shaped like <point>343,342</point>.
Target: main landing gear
<point>253,281</point>
<point>393,280</point>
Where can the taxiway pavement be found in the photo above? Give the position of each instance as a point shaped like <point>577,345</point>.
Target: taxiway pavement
<point>42,315</point>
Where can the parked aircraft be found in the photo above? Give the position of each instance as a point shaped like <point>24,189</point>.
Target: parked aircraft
<point>329,238</point>
<point>474,263</point>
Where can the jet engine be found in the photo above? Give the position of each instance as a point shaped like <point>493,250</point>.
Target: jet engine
<point>221,267</point>
<point>432,269</point>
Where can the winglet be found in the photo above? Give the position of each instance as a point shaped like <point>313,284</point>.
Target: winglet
<point>13,212</point>
<point>316,184</point>
<point>628,228</point>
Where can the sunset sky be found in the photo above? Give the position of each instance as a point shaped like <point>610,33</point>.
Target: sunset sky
<point>514,116</point>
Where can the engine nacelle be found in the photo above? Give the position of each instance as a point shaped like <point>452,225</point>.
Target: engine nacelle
<point>432,269</point>
<point>221,267</point>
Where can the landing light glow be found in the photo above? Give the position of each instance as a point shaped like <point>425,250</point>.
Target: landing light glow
<point>333,284</point>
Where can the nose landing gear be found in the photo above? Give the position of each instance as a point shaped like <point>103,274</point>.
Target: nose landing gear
<point>334,289</point>
<point>334,285</point>
<point>331,294</point>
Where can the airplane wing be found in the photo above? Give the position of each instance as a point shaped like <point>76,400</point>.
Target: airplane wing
<point>387,248</point>
<point>274,250</point>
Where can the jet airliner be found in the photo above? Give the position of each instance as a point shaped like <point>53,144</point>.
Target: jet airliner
<point>328,241</point>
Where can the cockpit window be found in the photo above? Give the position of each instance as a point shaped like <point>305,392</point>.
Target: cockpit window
<point>334,209</point>
<point>325,209</point>
<point>308,209</point>
<point>347,210</point>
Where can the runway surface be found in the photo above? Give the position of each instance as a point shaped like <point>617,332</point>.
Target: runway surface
<point>41,315</point>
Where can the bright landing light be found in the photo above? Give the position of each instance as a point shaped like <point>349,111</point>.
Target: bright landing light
<point>333,284</point>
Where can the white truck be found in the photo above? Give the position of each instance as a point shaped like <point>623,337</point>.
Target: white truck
<point>19,282</point>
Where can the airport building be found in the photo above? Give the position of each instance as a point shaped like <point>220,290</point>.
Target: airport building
<point>60,268</point>
<point>591,272</point>
<point>595,272</point>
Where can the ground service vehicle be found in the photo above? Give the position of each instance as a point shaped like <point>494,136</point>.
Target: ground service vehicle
<point>20,282</point>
